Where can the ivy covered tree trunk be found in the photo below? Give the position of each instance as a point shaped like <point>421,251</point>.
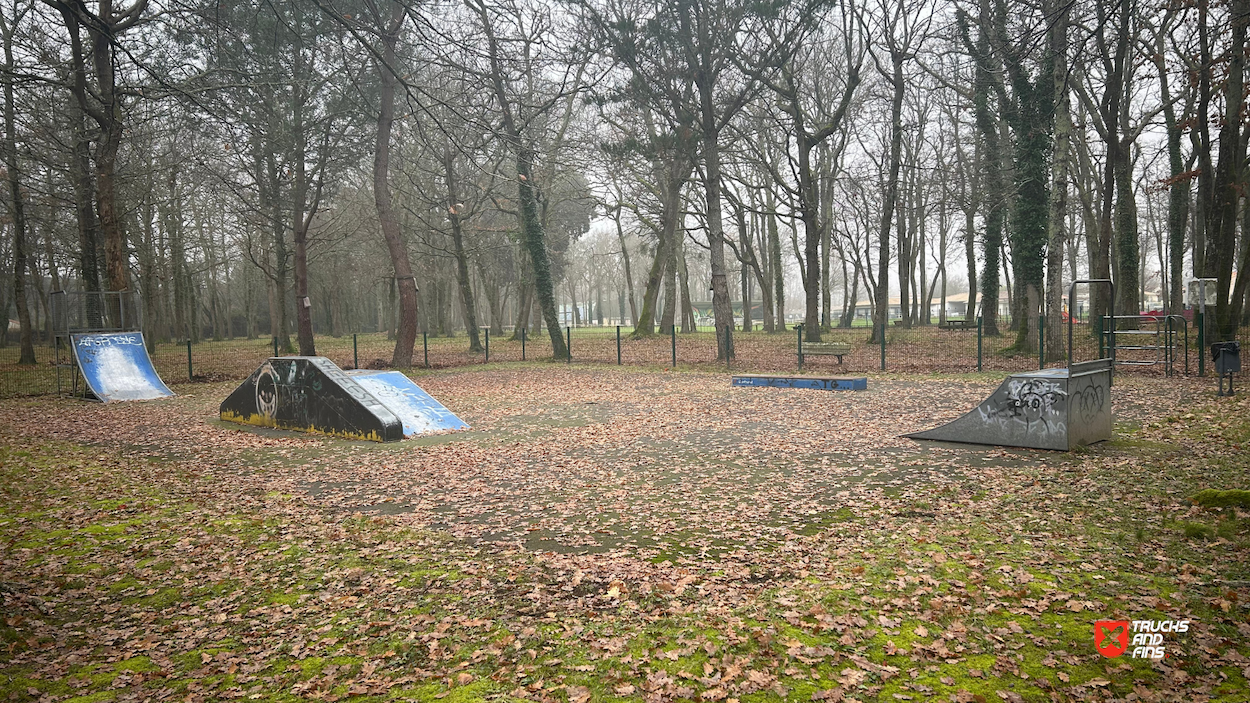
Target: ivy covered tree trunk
<point>1061,172</point>
<point>991,153</point>
<point>532,231</point>
<point>535,243</point>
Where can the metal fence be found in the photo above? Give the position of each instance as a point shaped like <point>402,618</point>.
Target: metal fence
<point>922,349</point>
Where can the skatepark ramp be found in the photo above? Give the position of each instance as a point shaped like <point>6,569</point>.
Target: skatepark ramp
<point>417,410</point>
<point>1049,409</point>
<point>116,367</point>
<point>823,383</point>
<point>312,394</point>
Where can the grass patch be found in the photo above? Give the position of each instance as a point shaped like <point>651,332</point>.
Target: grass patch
<point>1211,498</point>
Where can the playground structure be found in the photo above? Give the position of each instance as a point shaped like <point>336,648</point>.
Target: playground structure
<point>1147,340</point>
<point>312,394</point>
<point>105,349</point>
<point>1057,409</point>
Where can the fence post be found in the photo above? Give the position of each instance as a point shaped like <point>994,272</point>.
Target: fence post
<point>1041,342</point>
<point>487,345</point>
<point>618,345</point>
<point>1202,343</point>
<point>355,352</point>
<point>523,343</point>
<point>799,344</point>
<point>190,371</point>
<point>568,342</point>
<point>275,346</point>
<point>425,347</point>
<point>978,344</point>
<point>885,325</point>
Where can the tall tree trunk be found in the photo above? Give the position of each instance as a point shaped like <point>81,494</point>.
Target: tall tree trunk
<point>776,265</point>
<point>683,288</point>
<point>1178,188</point>
<point>462,259</point>
<point>17,199</point>
<point>747,323</point>
<point>809,209</point>
<point>671,302</point>
<point>532,229</point>
<point>826,244</point>
<point>675,173</point>
<point>104,28</point>
<point>406,331</point>
<point>524,297</point>
<point>629,274</point>
<point>721,308</point>
<point>994,191</point>
<point>269,196</point>
<point>759,235</point>
<point>1061,169</point>
<point>84,196</point>
<point>299,225</point>
<point>882,316</point>
<point>969,201</point>
<point>1230,179</point>
<point>1109,109</point>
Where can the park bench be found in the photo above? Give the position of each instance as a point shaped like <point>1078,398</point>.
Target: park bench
<point>838,349</point>
<point>958,325</point>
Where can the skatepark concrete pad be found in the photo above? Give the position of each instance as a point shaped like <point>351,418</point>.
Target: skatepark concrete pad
<point>116,367</point>
<point>827,383</point>
<point>311,394</point>
<point>1049,409</point>
<point>416,409</point>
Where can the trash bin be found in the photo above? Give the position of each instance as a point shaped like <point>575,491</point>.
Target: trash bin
<point>1227,358</point>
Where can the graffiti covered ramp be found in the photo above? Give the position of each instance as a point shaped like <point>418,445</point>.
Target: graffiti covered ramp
<point>116,367</point>
<point>824,383</point>
<point>311,394</point>
<point>419,412</point>
<point>1050,409</point>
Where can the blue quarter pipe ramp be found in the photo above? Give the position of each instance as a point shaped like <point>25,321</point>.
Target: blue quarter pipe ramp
<point>116,367</point>
<point>1050,409</point>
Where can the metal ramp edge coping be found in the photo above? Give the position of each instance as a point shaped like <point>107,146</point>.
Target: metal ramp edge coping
<point>825,383</point>
<point>1057,409</point>
<point>116,367</point>
<point>312,394</point>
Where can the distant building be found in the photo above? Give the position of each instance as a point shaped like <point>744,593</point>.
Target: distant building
<point>956,306</point>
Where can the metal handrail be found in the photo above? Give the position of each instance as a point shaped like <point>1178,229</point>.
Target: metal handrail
<point>1156,332</point>
<point>1072,297</point>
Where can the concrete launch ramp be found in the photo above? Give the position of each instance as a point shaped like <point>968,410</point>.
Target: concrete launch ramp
<point>116,367</point>
<point>416,409</point>
<point>311,394</point>
<point>1050,409</point>
<point>826,383</point>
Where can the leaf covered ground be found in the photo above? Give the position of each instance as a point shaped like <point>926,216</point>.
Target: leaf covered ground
<point>621,535</point>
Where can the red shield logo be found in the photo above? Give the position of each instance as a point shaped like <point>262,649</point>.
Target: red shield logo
<point>1111,637</point>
